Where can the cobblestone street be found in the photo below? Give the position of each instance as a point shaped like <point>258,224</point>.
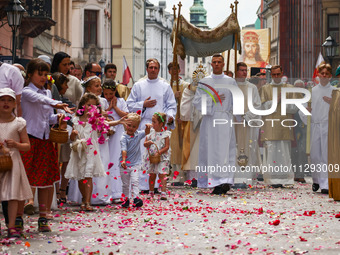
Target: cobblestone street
<point>259,220</point>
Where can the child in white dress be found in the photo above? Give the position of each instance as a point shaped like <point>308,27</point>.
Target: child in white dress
<point>158,143</point>
<point>85,162</point>
<point>116,110</point>
<point>101,186</point>
<point>14,185</point>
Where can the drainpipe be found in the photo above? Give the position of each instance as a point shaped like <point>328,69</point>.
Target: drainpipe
<point>278,39</point>
<point>162,53</point>
<point>133,38</point>
<point>144,36</point>
<point>111,33</point>
<point>166,56</point>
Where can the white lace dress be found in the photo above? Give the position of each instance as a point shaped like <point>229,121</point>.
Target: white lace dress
<point>115,150</point>
<point>157,138</point>
<point>86,163</point>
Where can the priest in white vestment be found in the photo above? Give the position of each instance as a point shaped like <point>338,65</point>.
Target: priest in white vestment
<point>217,146</point>
<point>149,96</point>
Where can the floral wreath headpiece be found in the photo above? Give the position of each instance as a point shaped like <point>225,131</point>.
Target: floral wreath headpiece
<point>109,87</point>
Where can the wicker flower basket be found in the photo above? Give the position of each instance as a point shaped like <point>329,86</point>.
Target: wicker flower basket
<point>110,131</point>
<point>154,159</point>
<point>58,135</point>
<point>6,163</point>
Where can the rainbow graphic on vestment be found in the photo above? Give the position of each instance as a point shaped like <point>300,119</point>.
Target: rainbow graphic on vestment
<point>208,92</point>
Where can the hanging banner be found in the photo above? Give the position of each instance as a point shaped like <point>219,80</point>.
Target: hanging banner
<point>255,47</point>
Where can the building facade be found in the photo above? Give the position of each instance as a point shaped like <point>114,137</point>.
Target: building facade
<point>331,26</point>
<point>91,31</point>
<point>37,19</point>
<point>270,19</point>
<point>128,37</point>
<point>298,30</point>
<point>159,25</point>
<point>59,37</point>
<point>198,17</point>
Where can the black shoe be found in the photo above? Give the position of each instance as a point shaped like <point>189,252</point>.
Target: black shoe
<point>137,202</point>
<point>225,188</point>
<point>144,192</point>
<point>260,178</point>
<point>126,203</point>
<point>43,225</point>
<point>276,186</point>
<point>217,190</point>
<point>301,180</point>
<point>156,191</point>
<point>19,225</point>
<point>194,184</point>
<point>177,184</point>
<point>239,186</point>
<point>324,191</point>
<point>315,187</point>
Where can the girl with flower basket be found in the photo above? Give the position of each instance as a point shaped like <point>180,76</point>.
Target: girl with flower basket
<point>157,160</point>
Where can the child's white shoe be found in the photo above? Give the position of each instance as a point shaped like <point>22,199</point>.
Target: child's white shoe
<point>163,196</point>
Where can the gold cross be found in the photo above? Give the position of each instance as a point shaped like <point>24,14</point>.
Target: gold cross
<point>174,8</point>
<point>232,8</point>
<point>236,3</point>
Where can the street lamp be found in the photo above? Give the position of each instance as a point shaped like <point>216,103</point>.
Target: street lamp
<point>102,65</point>
<point>14,14</point>
<point>330,47</point>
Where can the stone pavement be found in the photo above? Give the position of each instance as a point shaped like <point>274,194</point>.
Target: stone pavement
<point>259,220</point>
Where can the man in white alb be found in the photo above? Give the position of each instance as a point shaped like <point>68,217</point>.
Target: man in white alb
<point>217,147</point>
<point>149,96</point>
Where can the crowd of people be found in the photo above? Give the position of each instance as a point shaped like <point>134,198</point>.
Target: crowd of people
<point>122,143</point>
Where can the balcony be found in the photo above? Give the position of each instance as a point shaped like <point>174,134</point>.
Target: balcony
<point>37,19</point>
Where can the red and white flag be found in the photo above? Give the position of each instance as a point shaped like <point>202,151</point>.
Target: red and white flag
<point>315,74</point>
<point>126,72</point>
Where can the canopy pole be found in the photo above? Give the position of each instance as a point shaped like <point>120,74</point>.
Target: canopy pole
<point>236,40</point>
<point>228,56</point>
<point>174,73</point>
